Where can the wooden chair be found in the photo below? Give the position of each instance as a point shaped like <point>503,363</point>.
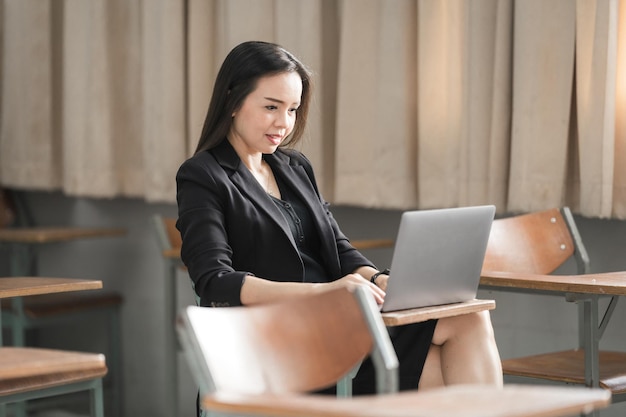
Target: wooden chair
<point>522,253</point>
<point>266,359</point>
<point>35,312</point>
<point>170,242</point>
<point>32,373</point>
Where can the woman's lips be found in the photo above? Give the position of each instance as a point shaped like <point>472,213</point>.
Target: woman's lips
<point>275,139</point>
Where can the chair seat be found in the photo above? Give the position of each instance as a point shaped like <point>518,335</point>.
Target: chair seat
<point>42,306</point>
<point>569,366</point>
<point>28,369</point>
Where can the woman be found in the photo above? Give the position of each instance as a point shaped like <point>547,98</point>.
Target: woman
<point>255,228</point>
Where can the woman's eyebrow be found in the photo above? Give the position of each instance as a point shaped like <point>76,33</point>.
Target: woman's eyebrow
<point>275,100</point>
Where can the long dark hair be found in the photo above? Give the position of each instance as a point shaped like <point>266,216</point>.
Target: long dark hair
<point>238,76</point>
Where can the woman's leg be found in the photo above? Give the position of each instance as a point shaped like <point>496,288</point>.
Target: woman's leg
<point>463,350</point>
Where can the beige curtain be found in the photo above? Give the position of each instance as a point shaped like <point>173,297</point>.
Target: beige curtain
<point>418,103</point>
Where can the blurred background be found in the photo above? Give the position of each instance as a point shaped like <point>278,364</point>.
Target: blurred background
<point>417,104</point>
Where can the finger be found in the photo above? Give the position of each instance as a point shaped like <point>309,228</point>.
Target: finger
<point>379,294</point>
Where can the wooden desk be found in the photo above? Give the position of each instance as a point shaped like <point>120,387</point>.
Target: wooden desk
<point>609,283</point>
<point>586,289</point>
<point>454,400</point>
<point>38,235</point>
<point>25,240</point>
<point>24,286</point>
<point>11,287</point>
<point>416,315</point>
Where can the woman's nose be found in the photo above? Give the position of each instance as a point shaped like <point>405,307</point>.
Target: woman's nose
<point>282,119</point>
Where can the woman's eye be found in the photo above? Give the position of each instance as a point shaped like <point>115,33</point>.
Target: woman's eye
<point>271,107</point>
<point>294,110</point>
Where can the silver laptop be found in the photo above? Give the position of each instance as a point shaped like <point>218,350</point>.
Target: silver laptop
<point>438,257</point>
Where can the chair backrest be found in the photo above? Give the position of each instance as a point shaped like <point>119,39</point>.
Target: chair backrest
<point>297,346</point>
<point>169,237</point>
<point>537,243</point>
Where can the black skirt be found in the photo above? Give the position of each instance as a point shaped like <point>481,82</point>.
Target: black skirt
<point>411,343</point>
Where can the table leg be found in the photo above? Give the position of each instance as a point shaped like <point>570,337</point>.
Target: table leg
<point>17,322</point>
<point>589,341</point>
<point>23,260</point>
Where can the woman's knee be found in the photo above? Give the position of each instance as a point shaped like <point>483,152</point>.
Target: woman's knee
<point>471,324</point>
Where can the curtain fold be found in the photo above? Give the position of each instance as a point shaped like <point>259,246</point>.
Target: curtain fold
<point>163,109</point>
<point>376,105</point>
<point>463,102</point>
<point>418,103</point>
<point>89,123</point>
<point>543,74</point>
<point>596,43</point>
<point>619,180</point>
<point>29,140</point>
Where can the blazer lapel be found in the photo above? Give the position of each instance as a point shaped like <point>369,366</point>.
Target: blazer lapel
<point>245,182</point>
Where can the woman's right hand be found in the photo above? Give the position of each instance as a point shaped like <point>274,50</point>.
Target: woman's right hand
<point>351,280</point>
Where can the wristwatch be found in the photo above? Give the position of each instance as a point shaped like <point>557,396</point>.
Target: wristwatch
<point>373,278</point>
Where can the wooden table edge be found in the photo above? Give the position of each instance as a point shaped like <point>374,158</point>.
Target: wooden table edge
<point>607,283</point>
<point>40,235</point>
<point>26,286</point>
<point>417,315</point>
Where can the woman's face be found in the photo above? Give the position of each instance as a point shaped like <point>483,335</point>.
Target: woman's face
<point>267,115</point>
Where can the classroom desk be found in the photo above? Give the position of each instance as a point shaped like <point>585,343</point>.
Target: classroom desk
<point>25,240</point>
<point>455,400</point>
<point>25,286</point>
<point>11,287</point>
<point>417,315</point>
<point>32,235</point>
<point>25,243</point>
<point>587,289</point>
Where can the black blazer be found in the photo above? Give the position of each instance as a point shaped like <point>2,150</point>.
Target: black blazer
<point>230,227</point>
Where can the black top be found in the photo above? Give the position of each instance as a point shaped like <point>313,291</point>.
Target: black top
<point>304,233</point>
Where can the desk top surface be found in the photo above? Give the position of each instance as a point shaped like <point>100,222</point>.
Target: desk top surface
<point>608,283</point>
<point>24,286</point>
<point>55,234</point>
<point>455,400</point>
<point>417,315</point>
